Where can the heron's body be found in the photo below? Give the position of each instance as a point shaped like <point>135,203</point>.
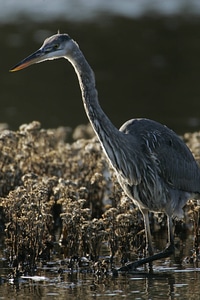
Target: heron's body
<point>173,174</point>
<point>153,165</point>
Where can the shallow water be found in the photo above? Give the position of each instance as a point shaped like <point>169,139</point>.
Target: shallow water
<point>168,281</point>
<point>172,278</point>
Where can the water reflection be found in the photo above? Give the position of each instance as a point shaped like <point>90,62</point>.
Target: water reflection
<point>168,284</point>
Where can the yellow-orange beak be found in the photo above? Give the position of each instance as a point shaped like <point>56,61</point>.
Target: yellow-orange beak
<point>34,58</point>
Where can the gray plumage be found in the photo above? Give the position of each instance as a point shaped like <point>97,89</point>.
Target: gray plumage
<point>153,165</point>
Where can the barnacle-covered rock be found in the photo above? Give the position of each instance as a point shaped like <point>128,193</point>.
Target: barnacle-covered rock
<point>53,192</point>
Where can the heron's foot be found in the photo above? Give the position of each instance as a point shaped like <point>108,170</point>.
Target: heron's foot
<point>133,265</point>
<point>169,249</point>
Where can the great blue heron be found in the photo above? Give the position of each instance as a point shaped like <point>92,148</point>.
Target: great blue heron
<point>153,165</point>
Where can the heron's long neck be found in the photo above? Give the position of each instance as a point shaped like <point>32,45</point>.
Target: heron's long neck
<point>100,122</point>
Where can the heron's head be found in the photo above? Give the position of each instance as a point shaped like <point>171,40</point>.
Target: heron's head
<point>56,46</point>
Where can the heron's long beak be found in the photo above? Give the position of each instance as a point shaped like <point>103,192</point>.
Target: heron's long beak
<point>34,58</point>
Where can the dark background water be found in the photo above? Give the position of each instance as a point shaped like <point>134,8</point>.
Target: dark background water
<point>145,66</point>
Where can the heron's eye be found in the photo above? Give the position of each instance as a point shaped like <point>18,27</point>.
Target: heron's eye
<point>56,46</point>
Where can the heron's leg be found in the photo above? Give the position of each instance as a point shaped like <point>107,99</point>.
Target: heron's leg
<point>147,231</point>
<point>163,254</point>
<point>170,246</point>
